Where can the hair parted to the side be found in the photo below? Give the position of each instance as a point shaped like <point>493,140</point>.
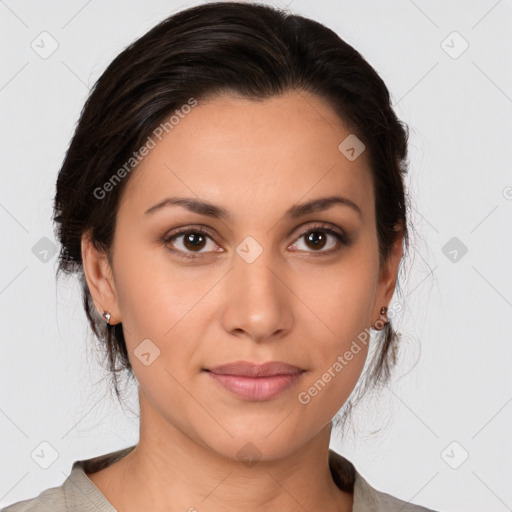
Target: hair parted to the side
<point>248,49</point>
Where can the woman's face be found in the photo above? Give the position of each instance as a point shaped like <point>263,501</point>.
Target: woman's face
<point>264,284</point>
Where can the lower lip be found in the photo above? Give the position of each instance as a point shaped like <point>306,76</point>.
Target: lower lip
<point>255,388</point>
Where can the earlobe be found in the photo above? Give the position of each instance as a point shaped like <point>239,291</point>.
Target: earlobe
<point>98,275</point>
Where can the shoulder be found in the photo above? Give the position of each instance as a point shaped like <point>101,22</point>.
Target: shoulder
<point>366,497</point>
<point>76,493</point>
<point>50,500</point>
<point>370,499</point>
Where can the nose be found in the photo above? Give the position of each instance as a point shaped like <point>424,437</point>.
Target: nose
<point>257,302</point>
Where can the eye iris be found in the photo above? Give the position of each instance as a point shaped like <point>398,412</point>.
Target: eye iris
<point>192,238</point>
<point>317,238</point>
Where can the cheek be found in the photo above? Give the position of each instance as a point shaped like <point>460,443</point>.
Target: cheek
<point>337,369</point>
<point>158,306</point>
<point>163,302</point>
<point>155,299</point>
<point>343,295</point>
<point>344,301</point>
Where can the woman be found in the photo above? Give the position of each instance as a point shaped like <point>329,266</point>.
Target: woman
<point>233,202</point>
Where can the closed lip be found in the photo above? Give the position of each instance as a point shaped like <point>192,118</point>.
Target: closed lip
<point>248,369</point>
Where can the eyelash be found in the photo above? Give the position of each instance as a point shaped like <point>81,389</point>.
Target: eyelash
<point>342,239</point>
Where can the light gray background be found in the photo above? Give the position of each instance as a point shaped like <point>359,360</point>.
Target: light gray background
<point>456,373</point>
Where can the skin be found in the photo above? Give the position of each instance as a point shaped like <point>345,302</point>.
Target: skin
<point>295,303</point>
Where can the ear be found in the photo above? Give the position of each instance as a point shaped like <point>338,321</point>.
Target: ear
<point>100,281</point>
<point>388,274</point>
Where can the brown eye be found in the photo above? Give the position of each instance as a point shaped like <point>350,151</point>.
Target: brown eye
<point>189,241</point>
<point>194,240</point>
<point>317,238</point>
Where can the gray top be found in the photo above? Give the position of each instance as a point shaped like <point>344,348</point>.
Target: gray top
<point>79,494</point>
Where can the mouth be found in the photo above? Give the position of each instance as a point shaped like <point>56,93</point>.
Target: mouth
<point>254,382</point>
<point>248,369</point>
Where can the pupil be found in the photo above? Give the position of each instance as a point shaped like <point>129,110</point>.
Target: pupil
<point>190,240</point>
<point>316,237</point>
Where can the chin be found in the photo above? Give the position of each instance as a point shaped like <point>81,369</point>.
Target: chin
<point>252,443</point>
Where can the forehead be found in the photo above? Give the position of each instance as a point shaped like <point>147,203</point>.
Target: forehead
<point>252,154</point>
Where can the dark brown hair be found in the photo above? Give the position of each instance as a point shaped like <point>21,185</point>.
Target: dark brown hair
<point>252,50</point>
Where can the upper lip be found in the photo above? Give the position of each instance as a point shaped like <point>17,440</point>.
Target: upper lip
<point>248,369</point>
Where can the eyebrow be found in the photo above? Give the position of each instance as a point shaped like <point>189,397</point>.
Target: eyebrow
<point>205,208</point>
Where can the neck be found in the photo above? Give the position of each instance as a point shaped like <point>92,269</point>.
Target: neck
<point>168,470</point>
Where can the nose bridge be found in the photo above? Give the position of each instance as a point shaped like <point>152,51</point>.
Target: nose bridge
<point>255,273</point>
<point>255,301</point>
<point>252,271</point>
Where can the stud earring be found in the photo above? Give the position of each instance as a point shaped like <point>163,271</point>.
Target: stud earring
<point>380,323</point>
<point>106,316</point>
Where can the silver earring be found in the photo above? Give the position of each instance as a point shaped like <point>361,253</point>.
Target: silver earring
<point>106,316</point>
<point>383,311</point>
